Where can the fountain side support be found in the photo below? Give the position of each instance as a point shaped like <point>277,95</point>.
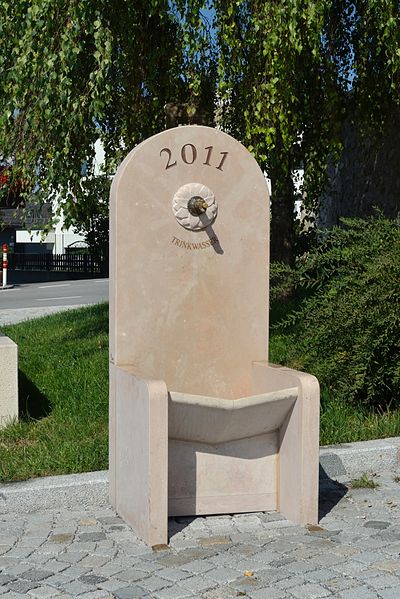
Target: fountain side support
<point>200,423</point>
<point>298,441</point>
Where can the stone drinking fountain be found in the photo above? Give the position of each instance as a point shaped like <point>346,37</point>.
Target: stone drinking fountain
<point>200,422</point>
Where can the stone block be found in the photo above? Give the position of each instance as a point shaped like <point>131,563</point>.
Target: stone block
<point>8,380</point>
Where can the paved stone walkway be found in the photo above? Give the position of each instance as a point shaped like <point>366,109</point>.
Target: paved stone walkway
<point>93,554</point>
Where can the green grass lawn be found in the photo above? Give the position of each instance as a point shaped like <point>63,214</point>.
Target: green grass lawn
<point>63,361</point>
<point>63,383</point>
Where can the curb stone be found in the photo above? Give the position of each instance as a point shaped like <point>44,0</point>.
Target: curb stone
<point>10,316</point>
<point>68,491</point>
<point>348,460</point>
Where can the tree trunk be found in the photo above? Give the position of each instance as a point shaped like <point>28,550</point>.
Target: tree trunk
<point>282,218</point>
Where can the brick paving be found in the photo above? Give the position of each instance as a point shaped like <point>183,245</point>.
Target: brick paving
<point>354,553</point>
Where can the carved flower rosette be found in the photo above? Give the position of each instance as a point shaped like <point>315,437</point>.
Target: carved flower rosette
<point>181,206</point>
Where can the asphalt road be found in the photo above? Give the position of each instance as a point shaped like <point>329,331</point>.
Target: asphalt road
<point>32,300</point>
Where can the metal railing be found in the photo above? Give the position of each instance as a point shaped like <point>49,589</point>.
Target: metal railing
<point>84,263</point>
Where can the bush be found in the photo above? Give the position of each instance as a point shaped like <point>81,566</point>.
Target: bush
<point>345,328</point>
<point>281,281</point>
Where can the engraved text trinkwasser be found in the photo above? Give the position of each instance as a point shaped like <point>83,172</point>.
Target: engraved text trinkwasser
<point>201,245</point>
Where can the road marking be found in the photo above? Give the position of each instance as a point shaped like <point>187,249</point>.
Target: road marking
<point>48,299</point>
<point>48,286</point>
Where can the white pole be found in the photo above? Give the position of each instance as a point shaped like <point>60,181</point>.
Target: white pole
<point>4,265</point>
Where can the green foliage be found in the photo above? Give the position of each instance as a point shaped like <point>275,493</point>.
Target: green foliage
<point>91,215</point>
<point>343,422</point>
<point>284,96</point>
<point>291,74</point>
<point>364,482</point>
<point>346,327</point>
<point>76,72</point>
<point>275,69</point>
<point>374,36</point>
<point>281,281</point>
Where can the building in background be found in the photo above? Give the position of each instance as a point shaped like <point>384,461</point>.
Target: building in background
<point>21,227</point>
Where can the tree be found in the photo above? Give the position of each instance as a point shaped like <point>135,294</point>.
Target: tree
<point>288,73</point>
<point>78,71</point>
<point>291,74</point>
<point>283,97</point>
<point>374,36</point>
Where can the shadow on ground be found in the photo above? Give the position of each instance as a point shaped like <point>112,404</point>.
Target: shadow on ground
<point>32,402</point>
<point>330,493</point>
<point>93,321</point>
<point>177,523</point>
